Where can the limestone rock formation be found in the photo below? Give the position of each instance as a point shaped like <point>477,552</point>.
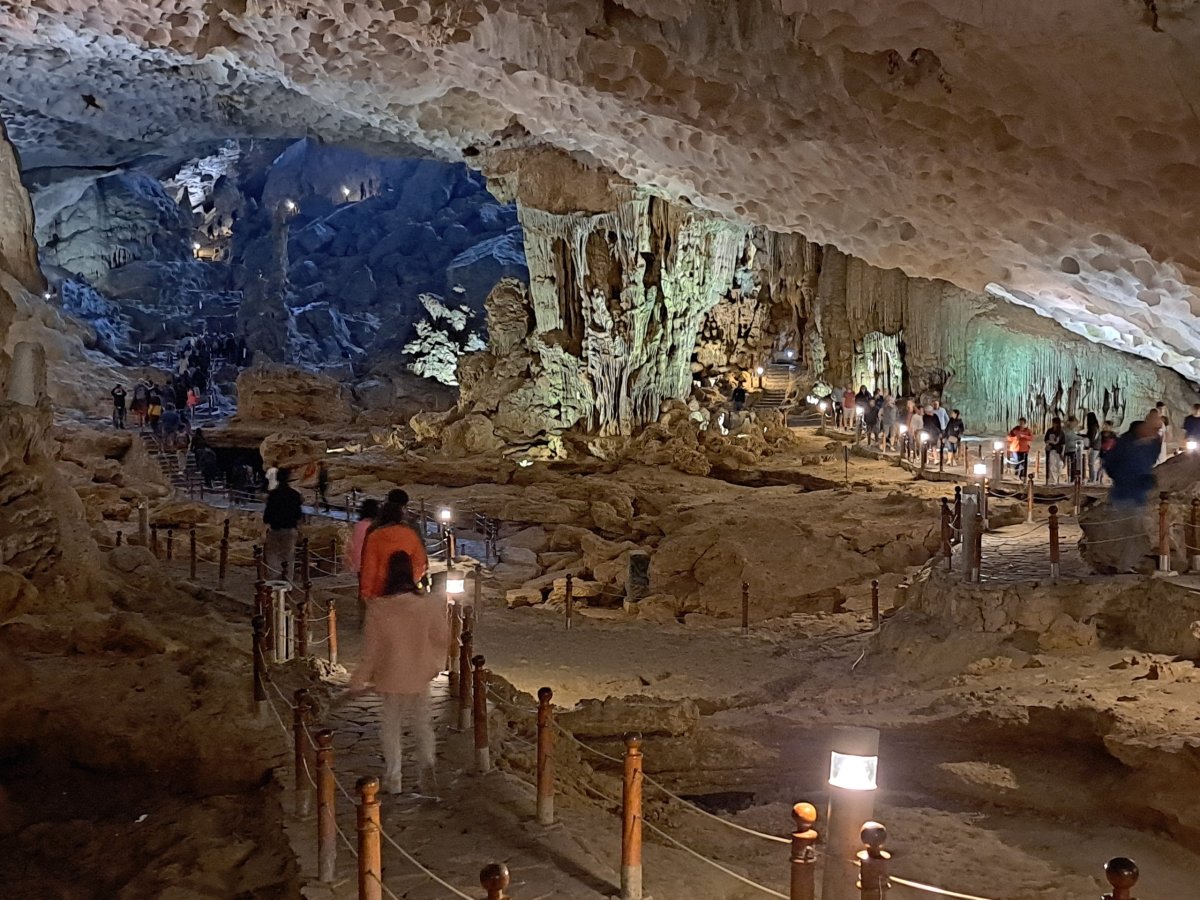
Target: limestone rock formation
<point>275,393</point>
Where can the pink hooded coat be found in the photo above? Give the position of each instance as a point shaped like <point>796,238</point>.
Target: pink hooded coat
<point>405,644</point>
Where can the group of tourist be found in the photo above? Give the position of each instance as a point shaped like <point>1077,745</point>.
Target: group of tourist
<point>406,629</point>
<point>880,419</point>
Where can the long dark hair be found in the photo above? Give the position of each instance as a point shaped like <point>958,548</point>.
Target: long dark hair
<point>389,514</point>
<point>399,575</point>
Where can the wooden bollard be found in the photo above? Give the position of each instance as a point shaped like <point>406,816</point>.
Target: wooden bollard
<point>1122,874</point>
<point>873,863</point>
<point>958,509</point>
<point>478,606</point>
<point>452,654</point>
<point>421,518</point>
<point>1193,537</point>
<point>259,687</point>
<point>192,552</point>
<point>301,718</point>
<point>1054,556</point>
<point>305,561</point>
<point>947,532</point>
<point>631,820</point>
<point>875,602</point>
<point>465,705</point>
<point>120,537</point>
<point>326,809</point>
<point>154,540</point>
<point>222,562</point>
<point>483,760</point>
<point>170,544</point>
<point>260,564</point>
<point>569,601</point>
<point>495,880</point>
<point>976,548</point>
<point>804,854</point>
<point>545,757</point>
<point>302,622</point>
<point>333,556</point>
<point>1164,533</point>
<point>331,622</point>
<point>745,608</point>
<point>1029,500</point>
<point>370,862</point>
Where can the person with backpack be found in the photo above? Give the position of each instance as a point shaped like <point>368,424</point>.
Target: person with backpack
<point>141,401</point>
<point>955,428</point>
<point>1108,440</point>
<point>389,534</point>
<point>404,649</point>
<point>154,409</point>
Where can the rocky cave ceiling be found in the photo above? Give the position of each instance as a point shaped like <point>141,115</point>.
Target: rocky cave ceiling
<point>1045,148</point>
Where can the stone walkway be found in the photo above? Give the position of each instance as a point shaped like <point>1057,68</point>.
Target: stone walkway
<point>1022,553</point>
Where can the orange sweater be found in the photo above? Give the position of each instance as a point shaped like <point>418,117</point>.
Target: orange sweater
<point>378,549</point>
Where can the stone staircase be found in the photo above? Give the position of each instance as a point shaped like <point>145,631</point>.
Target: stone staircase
<point>182,478</point>
<point>776,385</point>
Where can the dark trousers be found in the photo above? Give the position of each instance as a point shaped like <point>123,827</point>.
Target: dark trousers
<point>1023,465</point>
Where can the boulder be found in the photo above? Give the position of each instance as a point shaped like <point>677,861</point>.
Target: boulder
<point>471,435</point>
<point>290,450</point>
<point>279,393</point>
<point>613,717</point>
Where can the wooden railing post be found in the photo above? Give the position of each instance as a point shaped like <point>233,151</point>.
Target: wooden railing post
<point>301,719</point>
<point>333,635</point>
<point>370,863</point>
<point>260,564</point>
<point>745,608</point>
<point>302,622</point>
<point>483,761</point>
<point>495,879</point>
<point>874,602</point>
<point>305,562</point>
<point>170,544</point>
<point>120,537</point>
<point>326,809</point>
<point>258,662</point>
<point>569,601</point>
<point>631,820</point>
<point>1193,537</point>
<point>1054,552</point>
<point>1029,500</point>
<point>958,509</point>
<point>1122,874</point>
<point>873,863</point>
<point>545,757</point>
<point>192,552</point>
<point>465,705</point>
<point>154,539</point>
<point>804,856</point>
<point>452,647</point>
<point>1164,533</point>
<point>947,532</point>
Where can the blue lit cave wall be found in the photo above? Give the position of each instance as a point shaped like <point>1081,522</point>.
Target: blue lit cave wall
<point>318,255</point>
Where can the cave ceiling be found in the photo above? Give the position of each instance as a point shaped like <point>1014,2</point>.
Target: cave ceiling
<point>1045,148</point>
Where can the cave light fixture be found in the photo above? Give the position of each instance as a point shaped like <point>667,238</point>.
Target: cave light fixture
<point>456,582</point>
<point>289,205</point>
<point>1192,445</point>
<point>445,515</point>
<point>524,463</point>
<point>853,781</point>
<point>47,294</point>
<point>345,192</point>
<point>924,437</point>
<point>980,470</point>
<point>997,446</point>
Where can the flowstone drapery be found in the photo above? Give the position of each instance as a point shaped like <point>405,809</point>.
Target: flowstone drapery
<point>617,301</point>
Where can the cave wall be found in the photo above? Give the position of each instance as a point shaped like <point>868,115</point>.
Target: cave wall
<point>992,359</point>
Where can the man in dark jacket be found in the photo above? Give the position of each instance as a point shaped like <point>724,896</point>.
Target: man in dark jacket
<point>282,516</point>
<point>1130,465</point>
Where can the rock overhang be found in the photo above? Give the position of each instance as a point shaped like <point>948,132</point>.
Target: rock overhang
<point>1043,148</point>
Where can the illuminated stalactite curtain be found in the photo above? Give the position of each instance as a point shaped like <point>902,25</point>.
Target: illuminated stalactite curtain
<point>878,363</point>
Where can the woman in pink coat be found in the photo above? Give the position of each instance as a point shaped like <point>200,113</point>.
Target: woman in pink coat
<point>404,649</point>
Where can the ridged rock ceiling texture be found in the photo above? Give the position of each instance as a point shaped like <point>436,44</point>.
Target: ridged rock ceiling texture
<point>1047,148</point>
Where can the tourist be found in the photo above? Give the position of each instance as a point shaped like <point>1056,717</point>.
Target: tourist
<point>738,396</point>
<point>118,412</point>
<point>154,408</point>
<point>862,400</point>
<point>1020,440</point>
<point>282,516</point>
<point>1164,430</point>
<point>1071,448</point>
<point>206,462</point>
<point>871,420</point>
<point>1191,424</point>
<point>168,423</point>
<point>1055,448</point>
<point>889,432</point>
<point>404,649</point>
<point>322,483</point>
<point>849,408</point>
<point>1108,440</point>
<point>943,417</point>
<point>955,428</point>
<point>1091,443</point>
<point>1130,465</point>
<point>141,402</point>
<point>389,535</point>
<point>367,511</point>
<point>272,474</point>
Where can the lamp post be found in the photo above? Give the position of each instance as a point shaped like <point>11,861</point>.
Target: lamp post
<point>759,372</point>
<point>998,461</point>
<point>445,516</point>
<point>823,406</point>
<point>924,439</point>
<point>853,767</point>
<point>981,473</point>
<point>858,423</point>
<point>1191,446</point>
<point>903,441</point>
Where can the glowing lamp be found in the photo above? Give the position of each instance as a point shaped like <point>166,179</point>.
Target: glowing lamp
<point>290,205</point>
<point>822,406</point>
<point>980,470</point>
<point>456,582</point>
<point>791,354</point>
<point>904,429</point>
<point>47,295</point>
<point>195,245</point>
<point>997,445</point>
<point>1192,445</point>
<point>345,191</point>
<point>759,370</point>
<point>445,515</point>
<point>525,463</point>
<point>860,411</point>
<point>924,437</point>
<point>853,773</point>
